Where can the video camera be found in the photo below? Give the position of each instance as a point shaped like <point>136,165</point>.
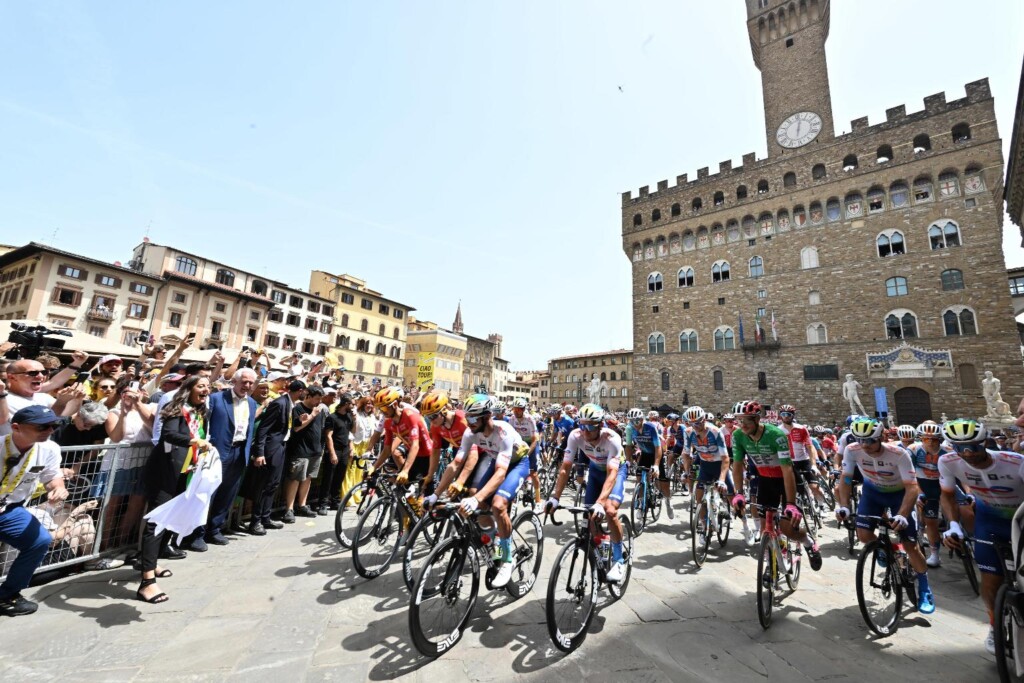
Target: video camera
<point>33,340</point>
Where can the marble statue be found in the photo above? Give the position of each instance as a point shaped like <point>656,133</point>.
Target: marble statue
<point>850,387</point>
<point>996,406</point>
<point>594,390</point>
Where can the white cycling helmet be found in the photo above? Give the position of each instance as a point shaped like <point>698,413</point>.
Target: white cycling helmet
<point>694,414</point>
<point>906,431</point>
<point>634,414</point>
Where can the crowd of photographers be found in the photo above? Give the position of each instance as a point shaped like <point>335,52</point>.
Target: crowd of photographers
<point>275,433</point>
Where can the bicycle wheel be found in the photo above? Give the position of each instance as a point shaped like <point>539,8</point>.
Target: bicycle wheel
<point>344,517</point>
<point>572,596</point>
<point>792,555</point>
<point>619,589</point>
<point>443,596</point>
<point>527,551</point>
<point>654,499</point>
<point>851,535</point>
<point>766,574</point>
<point>826,493</point>
<point>879,590</point>
<point>379,531</point>
<point>422,539</point>
<point>1007,634</point>
<point>724,523</point>
<point>971,566</point>
<point>700,538</point>
<point>638,508</point>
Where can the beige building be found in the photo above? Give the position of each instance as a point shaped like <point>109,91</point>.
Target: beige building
<point>571,377</point>
<point>434,358</point>
<point>369,329</point>
<point>231,308</point>
<point>876,253</point>
<point>64,290</point>
<point>539,383</point>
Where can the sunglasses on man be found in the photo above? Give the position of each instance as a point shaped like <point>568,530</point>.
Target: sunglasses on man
<point>962,448</point>
<point>589,427</point>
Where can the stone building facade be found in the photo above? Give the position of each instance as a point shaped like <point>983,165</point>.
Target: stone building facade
<point>875,253</point>
<point>570,377</point>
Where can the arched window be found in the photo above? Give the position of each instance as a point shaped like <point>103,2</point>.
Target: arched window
<point>809,257</point>
<point>789,179</point>
<point>568,393</point>
<point>725,340</point>
<point>622,376</point>
<point>380,350</point>
<point>818,172</point>
<point>876,200</point>
<point>613,392</point>
<point>612,376</point>
<point>949,184</point>
<point>833,210</point>
<point>901,324</point>
<point>603,377</point>
<point>625,391</point>
<point>923,190</point>
<point>688,341</point>
<point>718,380</point>
<point>850,162</point>
<point>360,365</point>
<point>899,195</point>
<point>883,155</point>
<point>344,320</point>
<point>952,279</point>
<point>719,198</point>
<point>676,210</point>
<point>656,215</point>
<point>944,234</point>
<point>762,186</point>
<point>654,282</point>
<point>961,133</point>
<point>259,287</point>
<point>817,333</point>
<point>656,343</point>
<point>762,381</point>
<point>185,265</point>
<point>854,205</point>
<point>755,266</point>
<point>381,330</point>
<point>393,370</point>
<point>720,271</point>
<point>741,192</point>
<point>814,297</point>
<point>969,377</point>
<point>890,243</point>
<point>896,286</point>
<point>686,276</point>
<point>365,325</point>
<point>922,143</point>
<point>638,219</point>
<point>696,205</point>
<point>395,333</point>
<point>959,320</point>
<point>225,277</point>
<point>665,380</point>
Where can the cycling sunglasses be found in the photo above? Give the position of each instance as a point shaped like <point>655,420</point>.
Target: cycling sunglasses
<point>867,441</point>
<point>589,427</point>
<point>969,447</point>
<point>786,413</point>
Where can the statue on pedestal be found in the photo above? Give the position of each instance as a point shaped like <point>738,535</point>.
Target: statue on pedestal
<point>594,390</point>
<point>850,387</point>
<point>996,407</point>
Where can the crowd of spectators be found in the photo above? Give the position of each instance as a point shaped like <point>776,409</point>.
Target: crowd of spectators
<point>282,434</point>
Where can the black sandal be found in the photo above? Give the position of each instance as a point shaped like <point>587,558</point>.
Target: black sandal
<point>158,598</point>
<point>164,574</point>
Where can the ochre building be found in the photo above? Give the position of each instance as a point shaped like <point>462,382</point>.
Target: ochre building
<point>875,253</point>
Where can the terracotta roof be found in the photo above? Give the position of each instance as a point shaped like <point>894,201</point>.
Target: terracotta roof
<point>33,247</point>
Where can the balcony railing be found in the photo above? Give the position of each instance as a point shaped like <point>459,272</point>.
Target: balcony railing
<point>767,345</point>
<point>102,314</point>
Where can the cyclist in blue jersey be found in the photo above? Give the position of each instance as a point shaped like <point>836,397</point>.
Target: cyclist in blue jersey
<point>644,447</point>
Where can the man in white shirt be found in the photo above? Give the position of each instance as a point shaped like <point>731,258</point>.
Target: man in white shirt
<point>29,457</point>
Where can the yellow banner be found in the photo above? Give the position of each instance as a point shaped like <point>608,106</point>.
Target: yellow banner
<point>425,371</point>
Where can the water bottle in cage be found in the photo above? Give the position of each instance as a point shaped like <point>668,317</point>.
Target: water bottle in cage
<point>604,545</point>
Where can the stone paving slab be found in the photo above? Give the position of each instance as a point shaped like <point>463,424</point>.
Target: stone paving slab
<point>290,607</point>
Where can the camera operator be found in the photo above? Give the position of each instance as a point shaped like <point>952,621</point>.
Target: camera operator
<point>27,385</point>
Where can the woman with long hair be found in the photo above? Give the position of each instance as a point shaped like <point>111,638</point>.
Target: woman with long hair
<point>182,439</point>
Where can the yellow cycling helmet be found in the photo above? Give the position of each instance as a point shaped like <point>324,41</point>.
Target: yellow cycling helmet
<point>964,431</point>
<point>867,428</point>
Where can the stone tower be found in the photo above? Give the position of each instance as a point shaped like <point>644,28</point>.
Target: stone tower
<point>787,38</point>
<point>457,325</point>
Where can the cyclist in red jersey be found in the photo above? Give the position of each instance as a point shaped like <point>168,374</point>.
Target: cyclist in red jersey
<point>406,439</point>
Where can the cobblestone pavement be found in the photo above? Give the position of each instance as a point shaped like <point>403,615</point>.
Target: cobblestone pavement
<point>289,607</point>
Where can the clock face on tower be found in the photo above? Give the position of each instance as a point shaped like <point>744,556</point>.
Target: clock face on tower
<point>798,129</point>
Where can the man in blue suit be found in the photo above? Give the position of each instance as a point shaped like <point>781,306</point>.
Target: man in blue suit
<point>231,431</point>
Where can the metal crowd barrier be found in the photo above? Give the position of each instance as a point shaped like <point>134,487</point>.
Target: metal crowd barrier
<point>103,511</point>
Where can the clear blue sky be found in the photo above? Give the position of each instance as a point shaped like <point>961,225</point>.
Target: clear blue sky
<point>440,150</point>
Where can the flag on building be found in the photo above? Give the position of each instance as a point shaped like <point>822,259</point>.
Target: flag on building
<point>775,331</point>
<point>741,329</point>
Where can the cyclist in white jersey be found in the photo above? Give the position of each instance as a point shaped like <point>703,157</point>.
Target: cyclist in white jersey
<point>890,482</point>
<point>526,427</point>
<point>996,479</point>
<point>606,480</point>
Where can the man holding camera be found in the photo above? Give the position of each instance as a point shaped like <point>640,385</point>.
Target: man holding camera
<point>27,384</point>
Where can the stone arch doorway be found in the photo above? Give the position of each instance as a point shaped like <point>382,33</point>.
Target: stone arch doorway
<point>913,405</point>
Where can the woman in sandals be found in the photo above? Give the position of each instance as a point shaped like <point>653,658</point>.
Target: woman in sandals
<point>182,437</point>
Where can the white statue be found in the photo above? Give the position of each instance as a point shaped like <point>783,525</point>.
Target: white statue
<point>996,407</point>
<point>850,387</point>
<point>594,390</point>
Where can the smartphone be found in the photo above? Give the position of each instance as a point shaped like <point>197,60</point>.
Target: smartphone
<point>246,348</point>
<point>142,338</point>
<point>134,386</point>
<point>190,337</point>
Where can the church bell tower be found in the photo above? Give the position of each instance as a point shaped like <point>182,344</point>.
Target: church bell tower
<point>787,38</point>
